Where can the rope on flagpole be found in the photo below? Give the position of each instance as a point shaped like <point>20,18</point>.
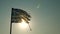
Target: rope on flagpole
<point>29,27</point>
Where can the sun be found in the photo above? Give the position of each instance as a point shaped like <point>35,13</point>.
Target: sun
<point>23,24</point>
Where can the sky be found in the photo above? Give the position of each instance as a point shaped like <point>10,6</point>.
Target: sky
<point>45,16</point>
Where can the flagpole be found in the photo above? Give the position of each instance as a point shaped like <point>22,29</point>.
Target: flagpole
<point>11,23</point>
<point>10,28</point>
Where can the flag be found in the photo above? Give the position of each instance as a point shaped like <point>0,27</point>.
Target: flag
<point>18,14</point>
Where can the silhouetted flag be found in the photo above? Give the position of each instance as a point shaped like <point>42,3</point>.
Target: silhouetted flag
<point>18,14</point>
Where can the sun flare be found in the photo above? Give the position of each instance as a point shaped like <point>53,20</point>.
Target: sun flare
<point>23,24</point>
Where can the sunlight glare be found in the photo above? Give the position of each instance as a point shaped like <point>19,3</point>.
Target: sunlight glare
<point>23,24</point>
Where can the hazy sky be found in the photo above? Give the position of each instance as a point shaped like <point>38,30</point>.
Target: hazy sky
<point>45,16</point>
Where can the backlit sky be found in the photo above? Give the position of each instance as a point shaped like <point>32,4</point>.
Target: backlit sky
<point>45,16</point>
